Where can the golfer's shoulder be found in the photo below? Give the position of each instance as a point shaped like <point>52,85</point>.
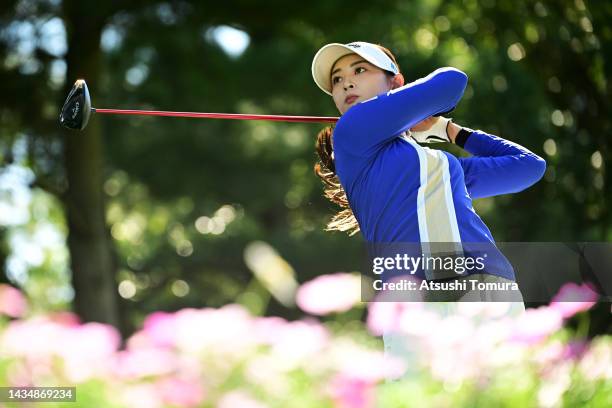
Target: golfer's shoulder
<point>347,125</point>
<point>362,117</point>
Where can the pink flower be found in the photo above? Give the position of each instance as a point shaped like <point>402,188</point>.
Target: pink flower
<point>549,354</point>
<point>86,350</point>
<point>143,362</point>
<point>326,294</point>
<point>573,298</point>
<point>68,319</point>
<point>384,317</point>
<point>535,325</point>
<point>37,336</point>
<point>238,399</point>
<point>349,392</point>
<point>180,392</point>
<point>266,329</point>
<point>91,340</point>
<point>596,362</point>
<point>300,340</point>
<point>355,362</point>
<point>387,317</point>
<point>12,301</point>
<point>575,349</point>
<point>226,330</point>
<point>142,395</point>
<point>161,328</point>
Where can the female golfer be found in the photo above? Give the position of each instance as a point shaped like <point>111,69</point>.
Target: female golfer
<point>394,190</point>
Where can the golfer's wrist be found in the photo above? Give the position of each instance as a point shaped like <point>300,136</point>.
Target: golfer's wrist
<point>452,130</point>
<point>461,136</point>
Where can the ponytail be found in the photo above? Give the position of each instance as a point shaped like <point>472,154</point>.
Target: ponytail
<point>344,220</point>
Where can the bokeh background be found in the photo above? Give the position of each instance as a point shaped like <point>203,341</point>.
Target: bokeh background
<point>138,215</point>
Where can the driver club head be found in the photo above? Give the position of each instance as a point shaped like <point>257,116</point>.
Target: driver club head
<point>77,107</point>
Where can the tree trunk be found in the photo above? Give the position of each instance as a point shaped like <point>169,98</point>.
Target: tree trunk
<point>91,259</point>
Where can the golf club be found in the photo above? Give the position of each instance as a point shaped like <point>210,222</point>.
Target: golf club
<point>77,110</point>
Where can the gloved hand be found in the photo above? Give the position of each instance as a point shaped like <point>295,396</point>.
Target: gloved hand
<point>437,133</point>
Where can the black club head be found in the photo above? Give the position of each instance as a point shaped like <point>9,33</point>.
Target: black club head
<point>77,108</point>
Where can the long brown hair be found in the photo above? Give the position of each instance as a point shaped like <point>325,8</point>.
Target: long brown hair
<point>325,168</point>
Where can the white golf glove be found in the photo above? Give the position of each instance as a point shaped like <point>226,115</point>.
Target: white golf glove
<point>435,134</point>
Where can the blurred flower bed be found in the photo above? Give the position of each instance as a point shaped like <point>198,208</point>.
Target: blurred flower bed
<point>229,358</point>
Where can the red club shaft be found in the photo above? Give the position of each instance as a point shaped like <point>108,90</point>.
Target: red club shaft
<point>240,116</point>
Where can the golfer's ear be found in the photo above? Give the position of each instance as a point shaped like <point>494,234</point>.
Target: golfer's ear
<point>397,81</point>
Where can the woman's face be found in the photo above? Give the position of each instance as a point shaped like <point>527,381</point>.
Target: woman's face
<point>354,80</point>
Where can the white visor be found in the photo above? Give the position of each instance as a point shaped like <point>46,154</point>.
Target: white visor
<point>327,56</point>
